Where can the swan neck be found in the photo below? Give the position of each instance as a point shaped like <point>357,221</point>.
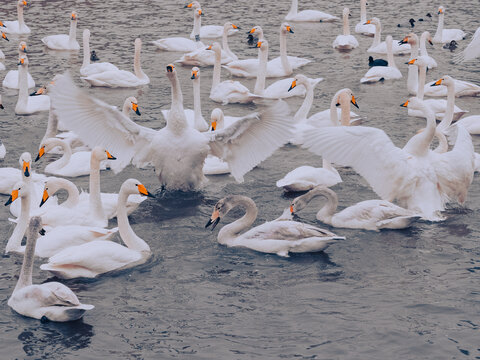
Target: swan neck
<point>333,112</point>
<point>450,109</point>
<point>73,197</point>
<point>378,35</point>
<point>86,51</point>
<point>346,28</point>
<point>73,31</point>
<point>422,74</point>
<point>304,109</point>
<point>217,67</point>
<point>21,21</point>
<point>126,108</point>
<point>15,240</point>
<point>233,230</point>
<point>293,8</point>
<point>127,234</point>
<point>287,67</point>
<point>22,85</point>
<point>390,59</point>
<point>197,102</point>
<point>197,24</point>
<point>327,211</point>
<point>412,79</point>
<point>328,166</point>
<point>423,45</point>
<point>25,278</point>
<point>67,153</point>
<point>176,120</point>
<point>439,33</point>
<point>345,113</point>
<point>225,46</point>
<point>262,71</point>
<point>95,200</point>
<point>363,11</point>
<point>442,142</point>
<point>137,66</point>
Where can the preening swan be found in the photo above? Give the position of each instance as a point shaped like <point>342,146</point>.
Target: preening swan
<point>17,26</point>
<point>87,68</point>
<point>10,80</point>
<point>380,73</point>
<point>62,41</point>
<point>380,47</point>
<point>472,51</point>
<point>98,257</point>
<point>442,35</point>
<point>345,41</point>
<point>307,15</point>
<point>122,78</point>
<point>361,27</point>
<point>209,31</point>
<point>27,105</point>
<point>52,300</point>
<point>367,215</point>
<point>256,136</point>
<point>275,237</point>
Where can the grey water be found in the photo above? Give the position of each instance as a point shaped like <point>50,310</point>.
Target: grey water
<point>411,294</point>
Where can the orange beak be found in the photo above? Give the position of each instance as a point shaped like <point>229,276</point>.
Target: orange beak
<point>12,197</point>
<point>143,190</point>
<point>45,197</point>
<point>41,152</point>
<point>109,156</point>
<point>405,104</point>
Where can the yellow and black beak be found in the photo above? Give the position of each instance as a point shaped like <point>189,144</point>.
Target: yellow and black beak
<point>214,125</point>
<point>214,220</point>
<point>368,22</point>
<point>236,27</point>
<point>24,48</point>
<point>12,197</point>
<point>45,197</point>
<point>430,42</point>
<point>109,156</point>
<point>135,108</point>
<point>5,36</point>
<point>209,47</point>
<point>1,106</point>
<point>200,12</point>
<point>143,191</point>
<point>291,209</point>
<point>294,84</point>
<point>354,102</point>
<point>41,152</point>
<point>440,11</point>
<point>1,24</point>
<point>437,83</point>
<point>24,3</point>
<point>411,62</point>
<point>259,44</point>
<point>251,31</point>
<point>289,29</point>
<point>403,41</point>
<point>26,168</point>
<point>40,91</point>
<point>21,61</point>
<point>194,75</point>
<point>170,68</point>
<point>405,104</point>
<point>74,16</point>
<point>188,6</point>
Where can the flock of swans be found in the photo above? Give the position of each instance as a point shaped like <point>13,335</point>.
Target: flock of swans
<point>96,136</point>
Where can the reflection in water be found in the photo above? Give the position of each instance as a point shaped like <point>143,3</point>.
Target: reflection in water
<point>54,338</point>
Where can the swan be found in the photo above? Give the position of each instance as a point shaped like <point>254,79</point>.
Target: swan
<point>203,57</point>
<point>227,91</point>
<point>10,80</point>
<point>62,41</point>
<point>380,47</point>
<point>412,76</point>
<point>471,124</point>
<point>368,215</point>
<point>181,44</point>
<point>380,73</point>
<point>17,26</point>
<point>27,105</point>
<point>48,301</point>
<point>431,63</point>
<point>94,258</point>
<point>87,68</point>
<point>472,51</point>
<point>70,164</point>
<point>9,175</point>
<point>278,67</point>
<point>209,31</point>
<point>213,164</point>
<point>256,136</point>
<point>442,35</point>
<point>194,117</point>
<point>305,177</point>
<point>121,78</point>
<point>419,180</point>
<point>307,15</point>
<point>345,41</point>
<point>3,150</point>
<point>2,55</point>
<point>274,237</point>
<point>361,27</point>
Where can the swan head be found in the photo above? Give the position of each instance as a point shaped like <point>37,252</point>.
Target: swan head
<point>73,16</point>
<point>428,37</point>
<point>411,38</point>
<point>133,186</point>
<point>48,145</point>
<point>22,3</point>
<point>2,24</point>
<point>20,189</point>
<point>215,47</point>
<point>171,69</point>
<point>445,80</point>
<point>198,12</point>
<point>26,163</point>
<point>195,73</point>
<point>132,103</point>
<point>441,10</point>
<point>375,21</point>
<point>217,119</point>
<point>221,208</point>
<point>414,103</point>
<point>419,61</point>
<point>4,36</point>
<point>345,96</point>
<point>256,29</point>
<point>51,186</point>
<point>138,44</point>
<point>286,28</point>
<point>192,5</point>
<point>23,60</point>
<point>229,25</point>
<point>100,154</point>
<point>346,12</point>
<point>22,46</point>
<point>262,45</point>
<point>40,91</point>
<point>299,79</point>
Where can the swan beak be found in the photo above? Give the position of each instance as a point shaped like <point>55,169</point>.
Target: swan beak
<point>1,24</point>
<point>110,156</point>
<point>405,104</point>
<point>430,42</point>
<point>291,209</point>
<point>259,44</point>
<point>411,62</point>
<point>294,83</point>
<point>21,61</point>
<point>38,92</point>
<point>251,31</point>
<point>209,48</point>
<point>12,197</point>
<point>24,3</point>
<point>194,75</point>
<point>5,36</point>
<point>24,48</point>
<point>403,41</point>
<point>170,68</point>
<point>200,12</point>
<point>135,108</point>
<point>26,168</point>
<point>41,152</point>
<point>236,27</point>
<point>289,29</point>
<point>368,22</point>
<point>143,191</point>
<point>354,102</point>
<point>188,6</point>
<point>437,83</point>
<point>440,11</point>
<point>214,125</point>
<point>214,220</point>
<point>74,16</point>
<point>45,197</point>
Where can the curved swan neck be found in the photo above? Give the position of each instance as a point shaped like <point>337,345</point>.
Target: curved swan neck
<point>422,74</point>
<point>262,69</point>
<point>73,197</point>
<point>67,152</point>
<point>363,11</point>
<point>127,234</point>
<point>23,85</point>
<point>73,31</point>
<point>86,49</point>
<point>95,199</point>
<point>346,28</point>
<point>15,240</point>
<point>449,111</point>
<point>327,211</point>
<point>442,142</point>
<point>232,230</point>
<point>439,33</point>
<point>304,109</point>
<point>293,8</point>
<point>217,67</point>
<point>333,111</point>
<point>137,66</point>
<point>287,67</point>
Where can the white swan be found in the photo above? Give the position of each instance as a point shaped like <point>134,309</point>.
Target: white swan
<point>307,15</point>
<point>277,67</point>
<point>431,63</point>
<point>275,237</point>
<point>17,26</point>
<point>3,150</point>
<point>305,177</point>
<point>345,41</point>
<point>472,51</point>
<point>256,136</point>
<point>380,47</point>
<point>203,57</point>
<point>361,27</point>
<point>122,78</point>
<point>10,80</point>
<point>367,215</point>
<point>62,41</point>
<point>209,31</point>
<point>27,105</point>
<point>194,117</point>
<point>181,44</point>
<point>213,164</point>
<point>412,75</point>
<point>442,35</point>
<point>88,68</point>
<point>471,124</point>
<point>98,257</point>
<point>9,175</point>
<point>51,300</point>
<point>380,73</point>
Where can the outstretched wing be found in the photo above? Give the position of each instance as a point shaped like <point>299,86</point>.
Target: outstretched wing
<point>98,123</point>
<point>252,139</point>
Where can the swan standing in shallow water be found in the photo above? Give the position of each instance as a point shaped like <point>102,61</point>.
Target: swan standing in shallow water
<point>88,68</point>
<point>10,80</point>
<point>94,258</point>
<point>442,35</point>
<point>380,73</point>
<point>122,78</point>
<point>361,27</point>
<point>307,15</point>
<point>380,47</point>
<point>27,105</point>
<point>275,237</point>
<point>256,136</point>
<point>345,41</point>
<point>17,26</point>
<point>51,300</point>
<point>367,215</point>
<point>62,41</point>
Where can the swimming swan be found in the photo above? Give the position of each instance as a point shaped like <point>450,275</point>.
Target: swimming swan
<point>361,27</point>
<point>62,41</point>
<point>380,73</point>
<point>307,15</point>
<point>10,80</point>
<point>17,26</point>
<point>88,68</point>
<point>346,41</point>
<point>380,47</point>
<point>209,31</point>
<point>27,105</point>
<point>442,35</point>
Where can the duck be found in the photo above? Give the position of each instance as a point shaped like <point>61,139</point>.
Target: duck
<point>17,26</point>
<point>62,41</point>
<point>472,50</point>
<point>452,45</point>
<point>10,81</point>
<point>376,62</point>
<point>279,237</point>
<point>93,56</point>
<point>372,215</point>
<point>27,105</point>
<point>442,35</point>
<point>380,47</point>
<point>345,41</point>
<point>362,27</point>
<point>209,31</point>
<point>50,301</point>
<point>308,15</point>
<point>99,257</point>
<point>256,136</point>
<point>87,68</point>
<point>121,78</point>
<point>380,73</point>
